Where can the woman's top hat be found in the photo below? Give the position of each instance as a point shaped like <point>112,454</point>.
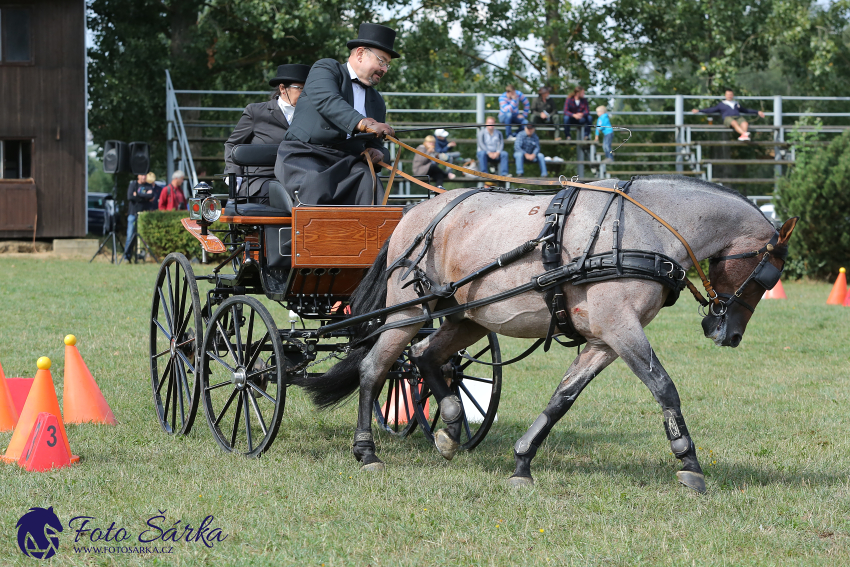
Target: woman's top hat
<point>292,73</point>
<point>375,35</point>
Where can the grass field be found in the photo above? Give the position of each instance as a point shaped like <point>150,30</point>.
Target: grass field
<point>770,420</point>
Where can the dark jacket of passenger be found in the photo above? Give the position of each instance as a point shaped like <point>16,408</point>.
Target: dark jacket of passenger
<point>261,123</point>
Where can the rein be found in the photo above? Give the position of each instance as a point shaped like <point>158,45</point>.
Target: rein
<point>562,181</point>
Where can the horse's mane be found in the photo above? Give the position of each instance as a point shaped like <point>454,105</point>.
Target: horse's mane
<point>691,183</point>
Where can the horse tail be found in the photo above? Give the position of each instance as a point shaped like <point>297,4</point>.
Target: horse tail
<point>343,379</point>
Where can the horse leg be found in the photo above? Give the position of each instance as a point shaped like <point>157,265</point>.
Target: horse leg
<point>429,358</point>
<point>631,344</point>
<point>592,360</point>
<point>373,373</point>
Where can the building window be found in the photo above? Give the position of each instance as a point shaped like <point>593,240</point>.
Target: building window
<point>15,159</point>
<point>15,35</point>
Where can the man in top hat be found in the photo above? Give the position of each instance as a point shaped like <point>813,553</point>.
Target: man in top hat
<point>266,123</point>
<point>320,158</point>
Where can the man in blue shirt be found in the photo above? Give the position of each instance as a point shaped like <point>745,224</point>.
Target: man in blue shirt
<point>730,110</point>
<point>510,111</point>
<point>527,149</point>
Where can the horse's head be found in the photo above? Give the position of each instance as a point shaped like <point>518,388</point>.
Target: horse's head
<point>740,279</point>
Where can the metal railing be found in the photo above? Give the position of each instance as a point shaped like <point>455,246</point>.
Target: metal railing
<point>670,110</point>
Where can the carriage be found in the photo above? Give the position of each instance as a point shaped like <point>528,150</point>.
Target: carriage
<point>215,343</point>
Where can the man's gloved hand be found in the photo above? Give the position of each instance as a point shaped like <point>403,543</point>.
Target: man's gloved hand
<point>375,127</point>
<point>375,155</point>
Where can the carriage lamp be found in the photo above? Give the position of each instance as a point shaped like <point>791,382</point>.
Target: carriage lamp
<point>211,209</point>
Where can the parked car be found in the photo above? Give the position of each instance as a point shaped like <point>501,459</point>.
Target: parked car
<point>100,209</point>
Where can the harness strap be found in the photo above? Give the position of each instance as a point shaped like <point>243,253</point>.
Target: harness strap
<point>517,358</point>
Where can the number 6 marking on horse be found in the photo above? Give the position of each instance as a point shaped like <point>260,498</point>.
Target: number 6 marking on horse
<point>534,211</point>
<point>51,442</point>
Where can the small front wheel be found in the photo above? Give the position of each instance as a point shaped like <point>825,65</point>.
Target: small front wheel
<point>242,376</point>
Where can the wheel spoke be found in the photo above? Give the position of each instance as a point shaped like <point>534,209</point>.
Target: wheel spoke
<point>164,375</point>
<point>226,406</point>
<point>262,392</point>
<point>260,372</point>
<point>476,379</point>
<point>166,351</point>
<point>168,392</point>
<point>253,359</point>
<point>247,394</point>
<point>397,388</point>
<point>182,302</point>
<point>161,328</point>
<point>471,399</point>
<point>186,361</point>
<point>184,323</point>
<point>171,318</point>
<point>256,407</point>
<point>185,381</point>
<point>236,420</point>
<point>179,387</point>
<point>436,416</point>
<point>227,342</point>
<point>176,386</point>
<point>215,357</point>
<point>237,333</point>
<point>466,427</point>
<point>407,410</point>
<point>219,385</point>
<point>250,335</point>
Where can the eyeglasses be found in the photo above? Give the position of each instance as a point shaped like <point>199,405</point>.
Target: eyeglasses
<point>381,61</point>
<point>296,87</point>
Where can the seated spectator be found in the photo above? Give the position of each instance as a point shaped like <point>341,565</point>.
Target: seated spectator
<point>543,110</point>
<point>604,123</point>
<point>491,148</point>
<point>172,197</point>
<point>446,151</point>
<point>730,110</point>
<point>424,166</point>
<point>527,149</point>
<point>509,109</point>
<point>576,111</point>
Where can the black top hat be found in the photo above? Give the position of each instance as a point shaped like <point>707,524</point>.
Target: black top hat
<point>292,73</point>
<point>375,35</point>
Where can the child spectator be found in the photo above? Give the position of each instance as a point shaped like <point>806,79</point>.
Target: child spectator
<point>604,123</point>
<point>446,151</point>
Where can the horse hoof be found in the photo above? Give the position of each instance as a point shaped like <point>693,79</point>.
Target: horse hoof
<point>694,481</point>
<point>446,446</point>
<point>377,466</point>
<point>520,481</point>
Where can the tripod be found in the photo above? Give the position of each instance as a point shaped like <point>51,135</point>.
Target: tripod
<point>110,209</point>
<point>132,245</point>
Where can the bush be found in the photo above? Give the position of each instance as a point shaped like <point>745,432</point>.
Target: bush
<point>817,190</point>
<point>164,233</point>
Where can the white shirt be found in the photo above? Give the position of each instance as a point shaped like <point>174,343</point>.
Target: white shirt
<point>359,92</point>
<point>730,103</point>
<point>287,109</point>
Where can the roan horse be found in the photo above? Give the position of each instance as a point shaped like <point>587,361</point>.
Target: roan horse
<point>716,222</point>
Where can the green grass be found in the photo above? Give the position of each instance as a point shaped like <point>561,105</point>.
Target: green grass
<point>770,419</point>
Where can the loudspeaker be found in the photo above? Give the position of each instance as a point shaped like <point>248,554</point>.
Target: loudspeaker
<point>116,158</point>
<point>140,158</point>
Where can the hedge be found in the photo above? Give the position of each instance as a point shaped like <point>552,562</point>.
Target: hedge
<point>164,233</point>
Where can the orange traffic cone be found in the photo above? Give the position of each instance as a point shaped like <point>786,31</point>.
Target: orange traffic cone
<point>82,399</point>
<point>847,299</point>
<point>42,398</point>
<point>778,292</point>
<point>43,450</point>
<point>839,289</point>
<point>405,406</point>
<point>8,413</point>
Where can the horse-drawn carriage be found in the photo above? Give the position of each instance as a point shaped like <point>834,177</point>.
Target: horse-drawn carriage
<point>220,347</point>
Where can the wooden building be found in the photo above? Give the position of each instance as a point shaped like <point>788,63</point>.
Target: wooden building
<point>42,118</point>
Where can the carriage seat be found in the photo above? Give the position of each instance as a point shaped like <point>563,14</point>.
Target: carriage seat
<point>261,155</point>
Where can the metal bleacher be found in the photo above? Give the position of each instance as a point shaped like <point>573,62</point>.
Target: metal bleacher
<point>665,139</point>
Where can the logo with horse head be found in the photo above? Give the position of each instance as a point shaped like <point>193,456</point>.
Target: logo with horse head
<point>38,533</point>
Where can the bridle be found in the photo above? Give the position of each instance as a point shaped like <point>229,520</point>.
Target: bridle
<point>764,274</point>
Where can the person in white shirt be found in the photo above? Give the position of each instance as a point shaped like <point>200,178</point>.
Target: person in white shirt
<point>266,123</point>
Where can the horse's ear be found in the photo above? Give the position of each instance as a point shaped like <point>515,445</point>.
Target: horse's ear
<point>787,229</point>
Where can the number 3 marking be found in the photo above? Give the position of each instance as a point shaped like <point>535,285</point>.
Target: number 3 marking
<point>52,430</point>
<point>533,211</point>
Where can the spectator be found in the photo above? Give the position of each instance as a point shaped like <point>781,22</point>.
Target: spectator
<point>424,166</point>
<point>543,109</point>
<point>604,123</point>
<point>527,149</point>
<point>158,186</point>
<point>139,195</point>
<point>172,198</point>
<point>491,148</point>
<point>444,148</point>
<point>509,110</point>
<point>576,111</point>
<point>731,111</point>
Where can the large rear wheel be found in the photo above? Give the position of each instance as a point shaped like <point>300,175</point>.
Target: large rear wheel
<point>176,332</point>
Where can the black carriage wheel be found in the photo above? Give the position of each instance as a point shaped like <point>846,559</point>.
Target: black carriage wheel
<point>242,376</point>
<point>393,408</point>
<point>462,374</point>
<point>175,336</point>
